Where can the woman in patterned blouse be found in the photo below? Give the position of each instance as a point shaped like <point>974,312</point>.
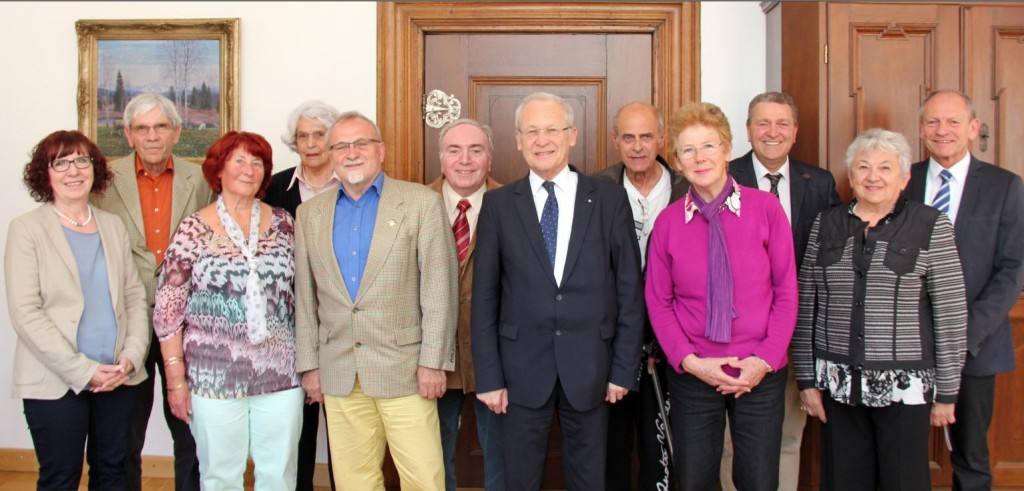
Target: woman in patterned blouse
<point>225,317</point>
<point>881,334</point>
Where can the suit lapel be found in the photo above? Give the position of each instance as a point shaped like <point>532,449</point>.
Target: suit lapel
<point>797,190</point>
<point>55,232</point>
<point>918,180</point>
<point>127,186</point>
<point>585,196</point>
<point>321,219</point>
<point>182,189</point>
<point>972,190</point>
<point>527,211</point>
<point>744,171</point>
<point>385,230</point>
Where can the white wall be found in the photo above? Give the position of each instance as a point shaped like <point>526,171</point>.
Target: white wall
<point>290,52</point>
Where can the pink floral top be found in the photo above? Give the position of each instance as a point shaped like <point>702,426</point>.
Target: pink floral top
<point>200,293</point>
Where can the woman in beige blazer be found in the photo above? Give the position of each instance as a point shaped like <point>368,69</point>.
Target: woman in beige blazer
<point>79,310</point>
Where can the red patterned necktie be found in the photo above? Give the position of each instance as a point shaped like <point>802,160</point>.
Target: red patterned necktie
<point>461,230</point>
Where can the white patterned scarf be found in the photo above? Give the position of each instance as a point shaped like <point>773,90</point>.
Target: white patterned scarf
<point>255,298</point>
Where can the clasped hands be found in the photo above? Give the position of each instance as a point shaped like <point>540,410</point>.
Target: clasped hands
<point>109,377</point>
<point>709,370</point>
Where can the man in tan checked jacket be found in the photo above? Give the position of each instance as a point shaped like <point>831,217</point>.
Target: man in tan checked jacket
<point>376,282</point>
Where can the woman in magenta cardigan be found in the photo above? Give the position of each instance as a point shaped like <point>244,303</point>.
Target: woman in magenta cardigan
<point>721,295</point>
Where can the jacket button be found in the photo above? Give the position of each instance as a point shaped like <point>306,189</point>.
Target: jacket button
<point>860,367</point>
<point>558,332</point>
<point>558,297</point>
<point>358,345</point>
<point>355,310</point>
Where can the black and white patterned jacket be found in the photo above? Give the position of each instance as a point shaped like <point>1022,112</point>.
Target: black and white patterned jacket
<point>892,298</point>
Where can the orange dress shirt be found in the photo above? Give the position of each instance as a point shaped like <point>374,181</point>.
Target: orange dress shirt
<point>155,197</point>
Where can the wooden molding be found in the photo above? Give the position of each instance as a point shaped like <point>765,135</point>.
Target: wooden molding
<point>402,26</point>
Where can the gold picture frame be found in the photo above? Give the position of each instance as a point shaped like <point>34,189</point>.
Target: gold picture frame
<point>195,60</point>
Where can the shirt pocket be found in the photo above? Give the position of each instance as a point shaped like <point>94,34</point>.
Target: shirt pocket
<point>830,252</point>
<point>901,259</point>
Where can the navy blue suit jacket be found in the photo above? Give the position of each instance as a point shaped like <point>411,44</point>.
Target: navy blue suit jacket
<point>989,233</point>
<point>529,332</point>
<point>811,191</point>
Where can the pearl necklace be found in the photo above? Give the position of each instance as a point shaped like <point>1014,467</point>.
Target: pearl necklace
<point>73,222</point>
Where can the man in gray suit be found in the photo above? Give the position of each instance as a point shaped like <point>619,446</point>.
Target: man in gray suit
<point>986,205</point>
<point>151,193</point>
<point>804,190</point>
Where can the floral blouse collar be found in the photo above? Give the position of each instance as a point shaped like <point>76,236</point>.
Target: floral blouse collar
<point>732,203</point>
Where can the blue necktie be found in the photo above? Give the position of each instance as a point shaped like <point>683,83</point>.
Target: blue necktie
<point>549,222</point>
<point>941,200</point>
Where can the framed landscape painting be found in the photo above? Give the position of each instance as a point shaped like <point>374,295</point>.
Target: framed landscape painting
<point>193,62</point>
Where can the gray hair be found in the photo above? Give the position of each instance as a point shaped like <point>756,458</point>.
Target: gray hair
<point>545,96</point>
<point>966,98</point>
<point>657,114</point>
<point>881,140</point>
<point>470,121</point>
<point>313,111</point>
<point>772,97</point>
<point>146,102</point>
<point>349,116</point>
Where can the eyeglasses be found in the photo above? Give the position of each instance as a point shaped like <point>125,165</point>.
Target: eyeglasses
<point>161,129</point>
<point>62,165</point>
<point>534,133</point>
<point>690,153</point>
<point>360,145</point>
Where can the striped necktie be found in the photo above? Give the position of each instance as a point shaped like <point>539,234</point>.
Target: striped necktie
<point>941,200</point>
<point>461,230</point>
<point>774,178</point>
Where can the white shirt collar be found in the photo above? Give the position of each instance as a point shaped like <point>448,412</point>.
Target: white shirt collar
<point>760,170</point>
<point>959,169</point>
<point>561,180</point>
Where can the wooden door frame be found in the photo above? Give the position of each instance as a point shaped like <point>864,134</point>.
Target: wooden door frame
<point>402,27</point>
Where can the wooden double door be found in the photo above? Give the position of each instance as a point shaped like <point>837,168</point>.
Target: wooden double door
<point>597,56</point>
<point>855,66</point>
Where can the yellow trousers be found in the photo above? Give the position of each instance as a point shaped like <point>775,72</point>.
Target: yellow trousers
<point>360,427</point>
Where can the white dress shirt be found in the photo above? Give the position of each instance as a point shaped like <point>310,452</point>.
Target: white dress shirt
<point>565,192</point>
<point>956,183</point>
<point>451,205</point>
<point>647,208</point>
<point>765,184</point>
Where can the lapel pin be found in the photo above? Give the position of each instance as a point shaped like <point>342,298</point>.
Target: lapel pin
<point>391,223</point>
<point>589,200</point>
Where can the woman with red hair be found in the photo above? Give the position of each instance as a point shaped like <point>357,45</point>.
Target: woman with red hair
<point>225,318</point>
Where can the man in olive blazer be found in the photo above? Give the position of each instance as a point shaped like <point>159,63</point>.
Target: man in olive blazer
<point>375,356</point>
<point>190,193</point>
<point>46,316</point>
<point>152,127</point>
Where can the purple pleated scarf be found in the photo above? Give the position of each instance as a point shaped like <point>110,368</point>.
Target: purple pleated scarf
<point>720,309</point>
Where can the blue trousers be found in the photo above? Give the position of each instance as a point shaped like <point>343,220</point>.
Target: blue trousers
<point>488,431</point>
<point>95,424</point>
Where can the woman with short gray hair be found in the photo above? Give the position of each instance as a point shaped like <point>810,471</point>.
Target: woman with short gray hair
<point>881,335</point>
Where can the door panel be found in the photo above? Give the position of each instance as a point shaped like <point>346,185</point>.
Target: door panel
<point>491,73</point>
<point>883,61</point>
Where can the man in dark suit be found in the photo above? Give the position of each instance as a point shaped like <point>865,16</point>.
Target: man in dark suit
<point>804,190</point>
<point>651,185</point>
<point>307,136</point>
<point>557,314</point>
<point>986,205</point>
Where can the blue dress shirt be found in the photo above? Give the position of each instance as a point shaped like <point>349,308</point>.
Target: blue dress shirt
<point>353,231</point>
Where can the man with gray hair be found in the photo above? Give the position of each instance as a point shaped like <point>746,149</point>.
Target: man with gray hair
<point>376,280</point>
<point>465,154</point>
<point>638,131</point>
<point>558,307</point>
<point>152,192</point>
<point>307,136</point>
<point>986,205</point>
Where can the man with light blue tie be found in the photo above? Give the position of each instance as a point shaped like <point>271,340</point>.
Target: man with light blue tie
<point>986,205</point>
<point>557,316</point>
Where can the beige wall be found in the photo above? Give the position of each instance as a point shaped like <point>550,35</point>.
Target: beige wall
<point>290,52</point>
